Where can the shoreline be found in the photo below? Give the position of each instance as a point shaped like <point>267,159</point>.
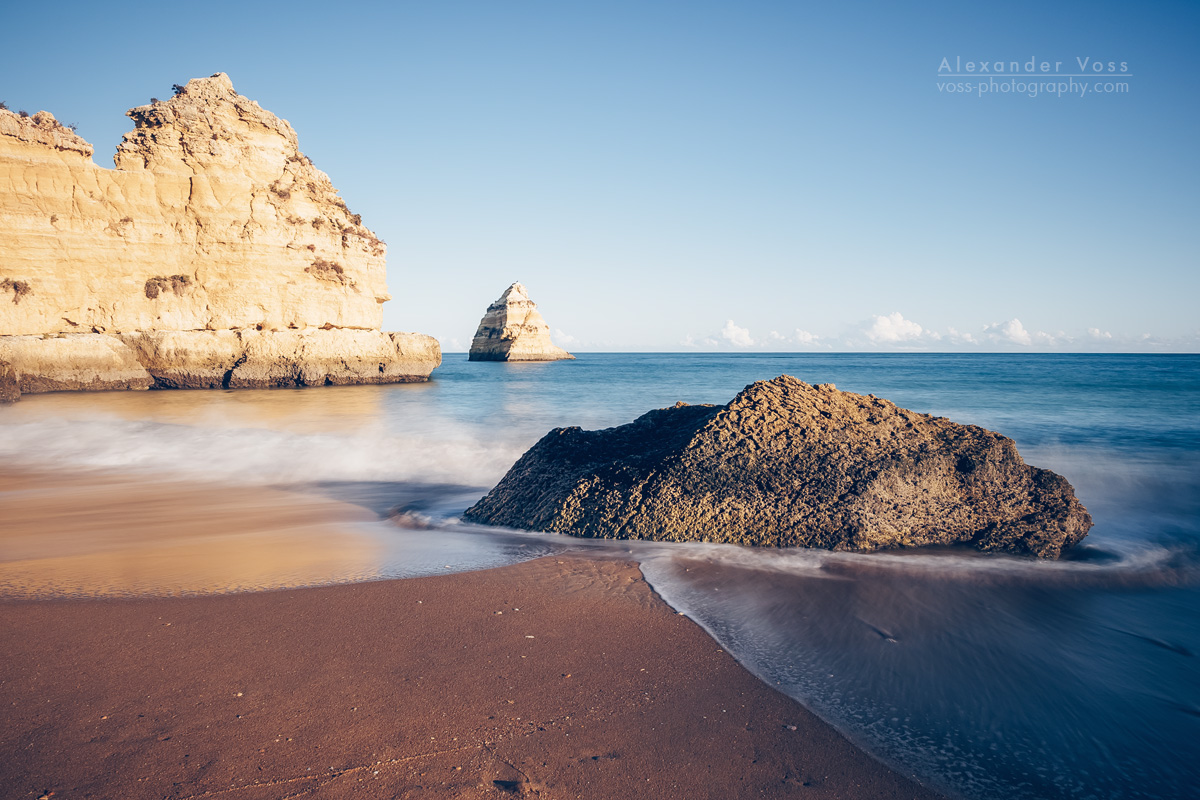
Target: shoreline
<point>431,687</point>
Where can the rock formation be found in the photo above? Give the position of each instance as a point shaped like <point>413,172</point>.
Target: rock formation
<point>72,363</point>
<point>10,392</point>
<point>213,227</point>
<point>788,464</point>
<point>513,330</point>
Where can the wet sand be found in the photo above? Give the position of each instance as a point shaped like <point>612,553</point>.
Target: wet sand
<point>99,533</point>
<point>560,677</point>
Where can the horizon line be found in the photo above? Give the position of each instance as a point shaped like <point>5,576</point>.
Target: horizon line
<point>855,352</point>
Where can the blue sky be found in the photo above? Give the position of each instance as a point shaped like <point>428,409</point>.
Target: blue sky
<point>692,175</point>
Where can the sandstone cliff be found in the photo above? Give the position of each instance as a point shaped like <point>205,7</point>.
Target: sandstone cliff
<point>10,391</point>
<point>513,330</point>
<point>213,226</point>
<point>788,464</point>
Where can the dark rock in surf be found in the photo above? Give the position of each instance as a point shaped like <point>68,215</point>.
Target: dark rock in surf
<point>788,464</point>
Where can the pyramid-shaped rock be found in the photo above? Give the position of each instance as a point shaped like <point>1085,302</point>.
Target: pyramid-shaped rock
<point>788,464</point>
<point>513,330</point>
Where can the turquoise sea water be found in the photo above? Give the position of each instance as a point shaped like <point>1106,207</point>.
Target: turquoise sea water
<point>991,677</point>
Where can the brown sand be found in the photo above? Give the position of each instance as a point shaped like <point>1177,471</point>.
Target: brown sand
<point>594,688</point>
<point>558,678</point>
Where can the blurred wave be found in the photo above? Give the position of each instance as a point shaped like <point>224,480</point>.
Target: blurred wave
<point>255,455</point>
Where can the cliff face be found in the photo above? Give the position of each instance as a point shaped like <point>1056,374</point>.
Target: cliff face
<point>787,464</point>
<point>213,220</point>
<point>10,390</point>
<point>514,330</point>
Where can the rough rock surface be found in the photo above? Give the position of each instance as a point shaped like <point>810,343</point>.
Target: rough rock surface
<point>245,359</point>
<point>513,330</point>
<point>788,464</point>
<point>72,363</point>
<point>254,360</point>
<point>10,392</point>
<point>212,221</point>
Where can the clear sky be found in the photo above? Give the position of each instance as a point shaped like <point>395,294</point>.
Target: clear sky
<point>709,175</point>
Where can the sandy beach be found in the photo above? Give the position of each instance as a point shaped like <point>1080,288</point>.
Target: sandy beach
<point>558,677</point>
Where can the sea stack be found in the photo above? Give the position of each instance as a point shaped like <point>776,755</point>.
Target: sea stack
<point>513,330</point>
<point>214,255</point>
<point>787,464</point>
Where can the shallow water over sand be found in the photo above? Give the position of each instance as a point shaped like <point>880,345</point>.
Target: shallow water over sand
<point>994,677</point>
<point>1009,682</point>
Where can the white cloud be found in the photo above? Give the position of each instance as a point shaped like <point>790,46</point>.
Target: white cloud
<point>895,332</point>
<point>738,337</point>
<point>957,337</point>
<point>893,328</point>
<point>1012,331</point>
<point>562,337</point>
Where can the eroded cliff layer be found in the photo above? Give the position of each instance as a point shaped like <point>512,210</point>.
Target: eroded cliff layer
<point>212,223</point>
<point>10,391</point>
<point>787,464</point>
<point>241,359</point>
<point>514,330</point>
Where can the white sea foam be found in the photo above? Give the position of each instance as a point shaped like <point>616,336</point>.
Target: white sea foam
<point>255,455</point>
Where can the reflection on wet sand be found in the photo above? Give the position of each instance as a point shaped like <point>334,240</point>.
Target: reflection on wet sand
<point>92,533</point>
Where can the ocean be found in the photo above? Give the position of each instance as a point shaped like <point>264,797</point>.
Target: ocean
<point>985,676</point>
